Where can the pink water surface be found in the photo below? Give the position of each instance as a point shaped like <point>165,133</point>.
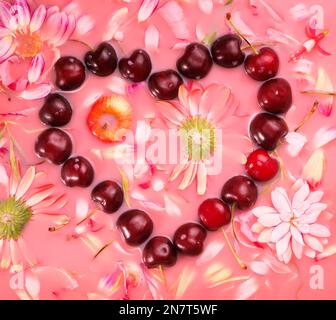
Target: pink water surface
<point>54,249</point>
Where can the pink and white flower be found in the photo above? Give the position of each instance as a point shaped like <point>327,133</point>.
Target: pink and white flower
<point>291,226</point>
<point>22,202</point>
<point>199,116</point>
<point>28,39</point>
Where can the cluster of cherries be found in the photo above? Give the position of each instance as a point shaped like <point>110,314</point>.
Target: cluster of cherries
<point>239,192</point>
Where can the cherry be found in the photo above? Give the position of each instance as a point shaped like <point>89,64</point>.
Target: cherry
<point>159,251</point>
<point>240,191</point>
<point>102,61</point>
<point>136,226</point>
<point>54,145</point>
<point>77,172</point>
<point>164,85</point>
<point>56,111</point>
<point>214,214</point>
<point>137,67</point>
<point>226,51</point>
<point>108,196</point>
<point>267,129</point>
<point>263,65</point>
<point>189,238</point>
<point>70,73</point>
<point>275,96</point>
<point>260,166</point>
<point>196,61</point>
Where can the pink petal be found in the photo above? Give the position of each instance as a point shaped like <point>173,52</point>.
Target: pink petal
<point>287,256</point>
<point>220,107</point>
<point>193,101</point>
<point>317,19</point>
<point>241,25</point>
<point>71,26</point>
<point>318,230</point>
<point>38,18</point>
<point>314,168</point>
<point>282,245</point>
<point>51,26</point>
<point>38,92</point>
<point>300,12</point>
<point>115,23</point>
<point>260,211</point>
<point>279,231</point>
<point>281,37</point>
<point>38,197</point>
<point>259,267</point>
<point>147,8</point>
<point>170,112</point>
<point>274,15</point>
<point>201,178</point>
<point>33,286</point>
<point>8,20</point>
<point>329,251</point>
<point>152,37</point>
<point>171,202</point>
<point>173,14</point>
<point>36,68</point>
<point>280,201</point>
<point>300,196</point>
<point>296,234</point>
<point>25,183</point>
<point>297,248</point>
<point>179,168</point>
<point>270,219</point>
<point>4,180</point>
<point>61,30</point>
<point>315,196</point>
<point>324,83</point>
<point>23,14</point>
<point>247,289</point>
<point>206,6</point>
<point>5,45</point>
<point>313,243</point>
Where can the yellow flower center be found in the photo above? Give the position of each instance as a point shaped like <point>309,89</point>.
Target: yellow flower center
<point>198,136</point>
<point>27,45</point>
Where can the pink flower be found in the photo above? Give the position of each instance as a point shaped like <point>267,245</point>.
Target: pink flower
<point>25,35</point>
<point>21,203</point>
<point>199,115</point>
<point>291,226</point>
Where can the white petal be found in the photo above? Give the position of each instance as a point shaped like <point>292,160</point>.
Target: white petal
<point>313,243</point>
<point>315,196</point>
<point>189,176</point>
<point>270,219</point>
<point>115,23</point>
<point>3,176</point>
<point>36,93</point>
<point>279,231</point>
<point>206,6</point>
<point>280,200</point>
<point>296,142</point>
<point>296,235</point>
<point>265,236</point>
<point>36,68</point>
<point>25,183</point>
<point>297,248</point>
<point>82,209</point>
<point>201,178</point>
<point>319,230</point>
<point>300,196</point>
<point>152,37</point>
<point>146,9</point>
<point>260,211</point>
<point>323,137</point>
<point>282,245</point>
<point>38,18</point>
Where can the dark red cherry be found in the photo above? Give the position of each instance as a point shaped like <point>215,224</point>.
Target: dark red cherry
<point>260,166</point>
<point>159,251</point>
<point>56,111</point>
<point>267,129</point>
<point>108,196</point>
<point>263,65</point>
<point>189,238</point>
<point>77,172</point>
<point>136,226</point>
<point>240,191</point>
<point>70,73</point>
<point>214,214</point>
<point>226,51</point>
<point>54,144</point>
<point>137,67</point>
<point>102,61</point>
<point>275,96</point>
<point>196,61</point>
<point>164,85</point>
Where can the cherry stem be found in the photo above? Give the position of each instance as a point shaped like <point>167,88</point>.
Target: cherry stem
<point>53,229</point>
<point>234,252</point>
<point>228,18</point>
<point>103,248</point>
<point>82,43</point>
<point>232,221</point>
<point>325,93</point>
<point>308,116</point>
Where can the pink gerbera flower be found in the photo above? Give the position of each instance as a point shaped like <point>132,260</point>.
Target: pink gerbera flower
<point>20,204</point>
<point>291,226</point>
<point>25,35</point>
<point>199,116</point>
